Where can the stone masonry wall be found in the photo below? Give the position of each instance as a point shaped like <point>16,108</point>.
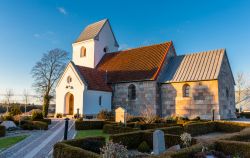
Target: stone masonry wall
<point>226,91</point>
<point>203,98</point>
<point>146,93</point>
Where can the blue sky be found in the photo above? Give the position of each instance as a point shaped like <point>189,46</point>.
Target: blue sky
<point>29,28</point>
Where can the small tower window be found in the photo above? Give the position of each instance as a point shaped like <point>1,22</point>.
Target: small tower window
<point>100,100</point>
<point>227,93</point>
<point>186,90</point>
<point>105,49</point>
<point>131,92</point>
<point>69,79</point>
<point>83,52</point>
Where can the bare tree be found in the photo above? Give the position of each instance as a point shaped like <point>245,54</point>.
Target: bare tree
<point>242,89</point>
<point>148,113</point>
<point>26,99</point>
<point>46,72</point>
<point>8,96</point>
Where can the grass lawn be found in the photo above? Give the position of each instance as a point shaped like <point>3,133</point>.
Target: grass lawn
<point>91,133</point>
<point>7,142</point>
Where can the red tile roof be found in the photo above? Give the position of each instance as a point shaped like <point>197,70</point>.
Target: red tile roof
<point>142,63</point>
<point>95,79</point>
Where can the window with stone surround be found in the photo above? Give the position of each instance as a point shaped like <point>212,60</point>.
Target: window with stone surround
<point>186,90</point>
<point>131,92</point>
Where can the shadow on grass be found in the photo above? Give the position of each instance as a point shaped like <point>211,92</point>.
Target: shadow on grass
<point>91,133</point>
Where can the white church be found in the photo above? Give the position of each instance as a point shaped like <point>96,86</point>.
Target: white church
<point>101,77</point>
<point>78,87</point>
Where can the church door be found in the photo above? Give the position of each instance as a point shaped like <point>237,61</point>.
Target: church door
<point>69,104</point>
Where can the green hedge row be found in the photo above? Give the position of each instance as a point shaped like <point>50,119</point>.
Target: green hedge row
<point>86,125</point>
<point>145,126</point>
<point>241,149</point>
<point>114,129</point>
<point>199,128</point>
<point>32,125</point>
<point>2,131</point>
<point>78,148</point>
<point>48,121</point>
<point>133,139</point>
<point>230,127</point>
<point>177,130</point>
<point>183,153</point>
<point>232,148</point>
<point>245,114</point>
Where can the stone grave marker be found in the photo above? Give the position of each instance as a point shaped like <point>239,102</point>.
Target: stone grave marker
<point>158,142</point>
<point>120,115</point>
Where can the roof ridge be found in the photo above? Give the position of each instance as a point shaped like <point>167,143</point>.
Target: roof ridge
<point>120,51</point>
<point>212,50</point>
<point>106,19</point>
<point>82,35</point>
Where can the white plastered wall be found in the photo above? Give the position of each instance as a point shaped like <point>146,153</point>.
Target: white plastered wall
<point>91,101</point>
<point>105,39</point>
<point>88,60</point>
<point>76,87</point>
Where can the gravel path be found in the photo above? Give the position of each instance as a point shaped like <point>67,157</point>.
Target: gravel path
<point>40,143</point>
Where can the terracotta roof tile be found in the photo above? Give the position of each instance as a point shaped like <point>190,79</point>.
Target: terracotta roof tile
<point>141,63</point>
<point>95,79</point>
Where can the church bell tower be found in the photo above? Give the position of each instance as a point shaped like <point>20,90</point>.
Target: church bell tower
<point>94,42</point>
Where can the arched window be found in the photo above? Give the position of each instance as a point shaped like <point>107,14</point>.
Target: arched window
<point>69,79</point>
<point>131,92</point>
<point>83,52</point>
<point>100,100</point>
<point>186,90</point>
<point>105,50</point>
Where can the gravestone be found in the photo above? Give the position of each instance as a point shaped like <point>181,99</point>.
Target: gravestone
<point>158,142</point>
<point>120,115</point>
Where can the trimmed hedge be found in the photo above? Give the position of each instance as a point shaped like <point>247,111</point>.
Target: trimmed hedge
<point>31,125</point>
<point>114,129</point>
<point>183,153</point>
<point>48,121</point>
<point>245,114</point>
<point>200,128</point>
<point>78,148</point>
<point>145,126</point>
<point>230,127</point>
<point>86,125</point>
<point>91,143</point>
<point>2,131</point>
<point>233,147</point>
<point>171,140</point>
<point>177,130</point>
<point>131,140</point>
